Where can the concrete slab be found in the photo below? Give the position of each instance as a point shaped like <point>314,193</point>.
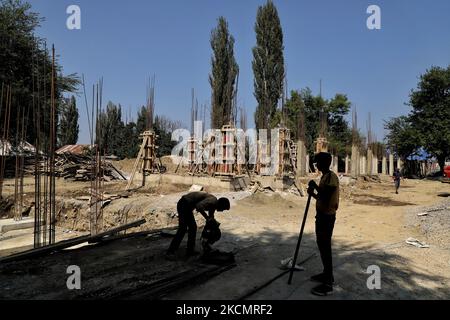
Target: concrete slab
<point>9,224</point>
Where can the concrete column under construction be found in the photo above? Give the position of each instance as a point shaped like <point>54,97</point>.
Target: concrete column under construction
<point>335,164</point>
<point>375,165</point>
<point>369,162</point>
<point>363,165</point>
<point>301,159</point>
<point>383,165</point>
<point>346,164</point>
<point>399,164</point>
<point>307,164</point>
<point>355,162</point>
<point>391,164</point>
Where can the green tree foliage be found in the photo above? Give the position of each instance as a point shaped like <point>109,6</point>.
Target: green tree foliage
<point>163,128</point>
<point>68,128</point>
<point>110,129</point>
<point>223,75</point>
<point>293,107</point>
<point>339,132</point>
<point>130,141</point>
<point>313,106</point>
<point>430,115</point>
<point>402,138</point>
<point>268,65</point>
<point>26,65</point>
<point>141,122</point>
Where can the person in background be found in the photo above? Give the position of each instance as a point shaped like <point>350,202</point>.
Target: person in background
<point>397,176</point>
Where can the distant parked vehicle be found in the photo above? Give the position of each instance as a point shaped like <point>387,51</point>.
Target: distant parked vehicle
<point>446,177</point>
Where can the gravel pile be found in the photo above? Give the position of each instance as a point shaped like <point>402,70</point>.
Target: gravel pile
<point>434,222</point>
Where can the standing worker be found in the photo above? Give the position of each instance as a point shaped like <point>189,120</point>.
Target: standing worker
<point>397,176</point>
<point>202,202</point>
<point>327,202</point>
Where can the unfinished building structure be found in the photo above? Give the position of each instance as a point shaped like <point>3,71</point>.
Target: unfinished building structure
<point>279,159</point>
<point>147,161</point>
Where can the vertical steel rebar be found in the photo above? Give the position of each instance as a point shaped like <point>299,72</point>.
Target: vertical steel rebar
<point>52,153</point>
<point>2,142</point>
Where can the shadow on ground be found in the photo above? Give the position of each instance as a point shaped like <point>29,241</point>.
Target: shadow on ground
<point>259,260</point>
<point>372,200</point>
<point>117,266</point>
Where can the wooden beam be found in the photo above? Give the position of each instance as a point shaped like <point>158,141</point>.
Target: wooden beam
<point>68,243</point>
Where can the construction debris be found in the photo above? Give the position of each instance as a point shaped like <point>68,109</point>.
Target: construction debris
<point>79,168</point>
<point>195,187</point>
<point>71,167</point>
<point>416,243</point>
<point>5,206</point>
<point>286,264</point>
<point>422,214</point>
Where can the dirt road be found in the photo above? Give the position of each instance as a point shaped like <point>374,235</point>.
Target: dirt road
<point>371,228</point>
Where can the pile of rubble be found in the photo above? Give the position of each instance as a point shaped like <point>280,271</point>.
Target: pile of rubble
<point>71,166</point>
<point>257,187</point>
<point>81,168</point>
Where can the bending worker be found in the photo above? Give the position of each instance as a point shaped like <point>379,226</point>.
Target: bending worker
<point>203,203</point>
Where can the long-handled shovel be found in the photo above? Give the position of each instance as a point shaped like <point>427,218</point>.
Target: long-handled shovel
<point>299,240</point>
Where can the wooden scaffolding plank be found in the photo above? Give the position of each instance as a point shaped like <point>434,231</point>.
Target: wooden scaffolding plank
<point>68,243</point>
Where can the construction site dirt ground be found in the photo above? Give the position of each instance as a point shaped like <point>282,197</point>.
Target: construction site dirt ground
<point>261,229</point>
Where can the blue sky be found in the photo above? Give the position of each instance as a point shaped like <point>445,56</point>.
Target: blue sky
<point>125,42</point>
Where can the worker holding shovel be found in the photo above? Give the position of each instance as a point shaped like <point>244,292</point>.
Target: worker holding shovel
<point>327,202</point>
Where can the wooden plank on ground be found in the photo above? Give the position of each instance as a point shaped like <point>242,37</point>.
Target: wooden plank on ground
<point>68,243</point>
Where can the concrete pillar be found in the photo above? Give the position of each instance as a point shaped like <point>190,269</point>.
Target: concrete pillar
<point>335,164</point>
<point>301,159</point>
<point>355,162</point>
<point>307,164</point>
<point>391,164</point>
<point>364,165</point>
<point>383,165</point>
<point>399,163</point>
<point>369,162</point>
<point>375,165</point>
<point>360,166</point>
<point>346,164</point>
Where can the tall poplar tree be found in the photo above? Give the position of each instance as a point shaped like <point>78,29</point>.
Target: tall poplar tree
<point>224,71</point>
<point>268,64</point>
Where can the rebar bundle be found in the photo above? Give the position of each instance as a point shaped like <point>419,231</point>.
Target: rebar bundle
<point>45,148</point>
<point>97,167</point>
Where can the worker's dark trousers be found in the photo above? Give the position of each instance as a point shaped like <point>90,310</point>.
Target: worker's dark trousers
<point>397,185</point>
<point>186,221</point>
<point>324,232</point>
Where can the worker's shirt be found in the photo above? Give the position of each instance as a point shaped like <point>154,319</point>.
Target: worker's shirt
<point>397,175</point>
<point>328,196</point>
<point>201,201</point>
